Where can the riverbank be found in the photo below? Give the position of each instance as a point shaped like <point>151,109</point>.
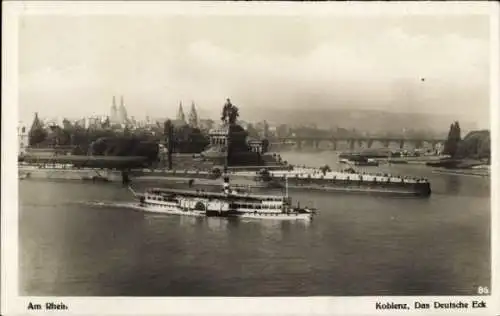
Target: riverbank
<point>300,179</point>
<point>464,172</point>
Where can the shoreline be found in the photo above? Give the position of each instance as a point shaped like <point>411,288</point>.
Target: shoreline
<point>340,183</point>
<point>462,172</point>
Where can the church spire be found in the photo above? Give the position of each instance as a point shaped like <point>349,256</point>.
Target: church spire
<point>122,113</point>
<point>114,111</point>
<point>180,114</point>
<point>193,116</point>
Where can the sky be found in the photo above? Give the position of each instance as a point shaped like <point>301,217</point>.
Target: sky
<point>71,66</point>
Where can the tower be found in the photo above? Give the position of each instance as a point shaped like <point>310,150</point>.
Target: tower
<point>114,112</point>
<point>122,112</point>
<point>23,138</point>
<point>193,116</point>
<point>180,114</point>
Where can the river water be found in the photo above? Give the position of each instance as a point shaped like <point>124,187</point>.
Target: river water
<point>76,239</point>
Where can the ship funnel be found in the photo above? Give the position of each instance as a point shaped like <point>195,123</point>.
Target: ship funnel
<point>225,185</point>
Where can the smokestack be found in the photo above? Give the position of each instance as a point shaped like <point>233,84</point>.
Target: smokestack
<point>226,185</point>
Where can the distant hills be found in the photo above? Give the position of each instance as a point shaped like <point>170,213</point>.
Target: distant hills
<point>475,144</point>
<point>366,120</point>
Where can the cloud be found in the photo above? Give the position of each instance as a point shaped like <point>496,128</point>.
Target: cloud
<point>391,60</point>
<point>156,66</point>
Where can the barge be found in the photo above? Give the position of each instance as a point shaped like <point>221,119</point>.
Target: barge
<point>316,179</point>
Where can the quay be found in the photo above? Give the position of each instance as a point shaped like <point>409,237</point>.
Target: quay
<point>229,150</point>
<point>298,178</point>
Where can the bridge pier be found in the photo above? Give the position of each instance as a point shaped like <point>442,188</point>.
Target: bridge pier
<point>316,144</point>
<point>334,144</point>
<point>419,144</point>
<point>299,144</point>
<point>401,144</point>
<point>351,144</point>
<point>360,143</point>
<point>309,143</point>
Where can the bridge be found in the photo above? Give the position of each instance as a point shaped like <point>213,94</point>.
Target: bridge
<point>362,141</point>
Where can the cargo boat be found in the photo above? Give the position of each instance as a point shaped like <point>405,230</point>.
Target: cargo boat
<point>350,181</point>
<point>360,161</point>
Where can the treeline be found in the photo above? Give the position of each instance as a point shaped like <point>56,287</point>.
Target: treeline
<point>124,146</point>
<point>186,138</point>
<point>475,145</point>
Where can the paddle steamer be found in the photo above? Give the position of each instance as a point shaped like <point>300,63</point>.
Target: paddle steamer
<point>228,203</point>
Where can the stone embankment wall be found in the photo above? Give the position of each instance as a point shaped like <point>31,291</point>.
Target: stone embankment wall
<point>69,174</point>
<point>188,162</point>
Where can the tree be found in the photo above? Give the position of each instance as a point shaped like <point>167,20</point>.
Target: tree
<point>124,146</point>
<point>452,142</point>
<point>475,144</point>
<point>37,133</point>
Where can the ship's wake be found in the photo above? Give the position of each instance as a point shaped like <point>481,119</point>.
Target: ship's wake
<point>268,222</point>
<point>112,204</point>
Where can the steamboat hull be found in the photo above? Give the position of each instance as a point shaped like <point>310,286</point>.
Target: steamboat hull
<point>158,207</point>
<point>161,210</point>
<point>234,214</point>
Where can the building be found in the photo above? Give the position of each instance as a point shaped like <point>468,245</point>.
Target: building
<point>114,112</point>
<point>193,116</point>
<point>94,122</point>
<point>118,115</point>
<point>23,138</point>
<point>122,113</point>
<point>256,145</point>
<point>180,114</point>
<point>206,124</point>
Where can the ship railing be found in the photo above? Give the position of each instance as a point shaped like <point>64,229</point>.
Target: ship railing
<point>132,190</point>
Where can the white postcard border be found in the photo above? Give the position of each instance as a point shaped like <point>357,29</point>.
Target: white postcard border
<point>14,304</point>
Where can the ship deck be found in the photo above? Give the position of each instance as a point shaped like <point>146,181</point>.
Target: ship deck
<point>205,194</point>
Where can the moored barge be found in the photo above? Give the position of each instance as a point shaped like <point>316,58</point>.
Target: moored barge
<point>316,179</point>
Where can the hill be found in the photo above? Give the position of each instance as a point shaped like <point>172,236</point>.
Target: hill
<point>367,120</point>
<point>476,144</point>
